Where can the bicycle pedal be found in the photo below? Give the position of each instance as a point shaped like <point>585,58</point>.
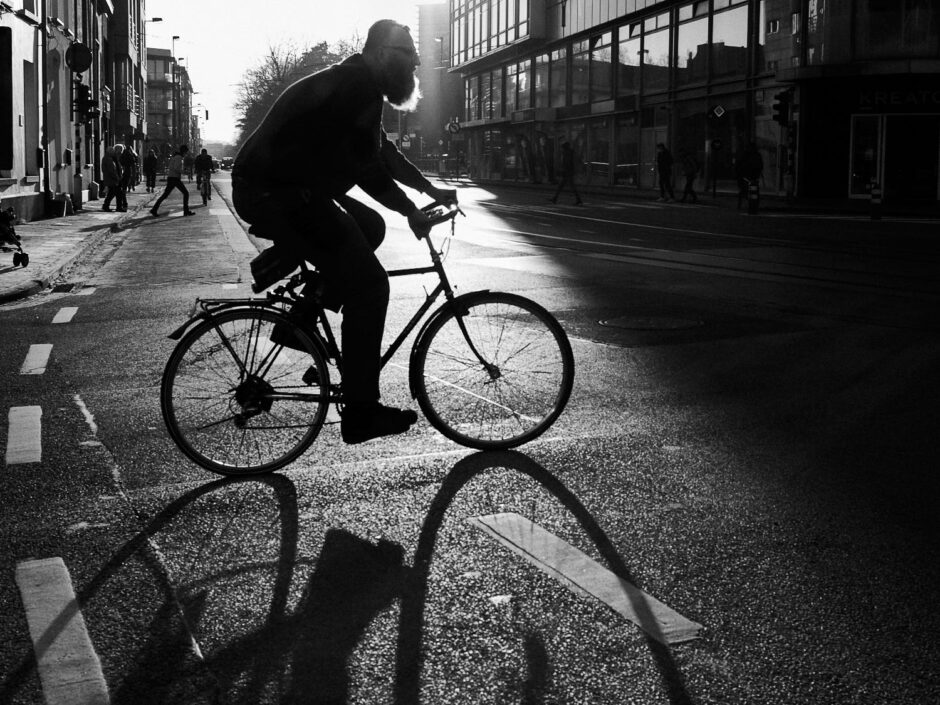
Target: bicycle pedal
<point>311,377</point>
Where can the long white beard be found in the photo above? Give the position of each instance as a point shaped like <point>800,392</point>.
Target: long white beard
<point>411,103</point>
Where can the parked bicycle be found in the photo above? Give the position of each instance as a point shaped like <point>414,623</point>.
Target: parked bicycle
<point>489,369</point>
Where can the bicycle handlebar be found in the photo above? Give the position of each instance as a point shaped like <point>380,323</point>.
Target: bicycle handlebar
<point>438,212</point>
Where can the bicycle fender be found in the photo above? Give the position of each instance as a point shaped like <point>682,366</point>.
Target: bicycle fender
<point>178,333</point>
<point>446,307</point>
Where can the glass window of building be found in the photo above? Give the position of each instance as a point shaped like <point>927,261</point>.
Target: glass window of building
<point>729,41</point>
<point>496,83</point>
<point>628,60</point>
<point>692,44</point>
<point>558,87</point>
<point>601,67</point>
<point>524,85</point>
<point>895,29</point>
<point>542,72</point>
<point>473,98</point>
<point>656,55</point>
<point>511,82</point>
<point>580,72</point>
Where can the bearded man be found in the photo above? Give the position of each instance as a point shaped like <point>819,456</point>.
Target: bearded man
<point>290,180</point>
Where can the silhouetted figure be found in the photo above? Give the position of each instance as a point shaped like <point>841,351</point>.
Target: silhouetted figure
<point>567,174</point>
<point>664,168</point>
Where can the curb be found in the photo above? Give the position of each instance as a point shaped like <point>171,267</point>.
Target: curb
<point>91,241</point>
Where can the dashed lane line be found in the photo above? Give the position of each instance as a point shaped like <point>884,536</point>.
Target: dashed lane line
<point>69,669</point>
<point>584,576</point>
<point>65,314</point>
<point>24,436</point>
<point>36,359</point>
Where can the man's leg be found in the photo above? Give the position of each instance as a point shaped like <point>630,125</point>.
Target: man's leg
<point>185,191</point>
<point>170,185</point>
<point>342,247</point>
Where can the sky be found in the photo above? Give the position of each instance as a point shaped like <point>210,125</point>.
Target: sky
<point>221,39</point>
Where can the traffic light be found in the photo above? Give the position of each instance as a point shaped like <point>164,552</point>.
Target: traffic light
<point>83,102</point>
<point>781,107</point>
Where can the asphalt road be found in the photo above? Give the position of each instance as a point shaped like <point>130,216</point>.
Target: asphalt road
<point>752,441</point>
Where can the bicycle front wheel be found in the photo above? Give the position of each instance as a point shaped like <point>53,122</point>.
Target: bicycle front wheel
<point>493,371</point>
<point>238,403</point>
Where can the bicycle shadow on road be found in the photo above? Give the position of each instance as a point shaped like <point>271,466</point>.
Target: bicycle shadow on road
<point>414,595</point>
<point>166,659</point>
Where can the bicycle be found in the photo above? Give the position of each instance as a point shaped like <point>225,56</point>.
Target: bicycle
<point>489,370</point>
<point>204,187</point>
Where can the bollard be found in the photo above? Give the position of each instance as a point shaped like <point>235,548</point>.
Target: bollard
<point>753,197</point>
<point>875,200</point>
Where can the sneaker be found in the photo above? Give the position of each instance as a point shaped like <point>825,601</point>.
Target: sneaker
<point>189,212</point>
<point>361,423</point>
<point>153,212</point>
<point>105,209</point>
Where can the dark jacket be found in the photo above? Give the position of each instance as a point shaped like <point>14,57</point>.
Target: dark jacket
<point>324,133</point>
<point>150,164</point>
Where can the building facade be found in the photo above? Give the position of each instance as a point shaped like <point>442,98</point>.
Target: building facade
<point>834,94</point>
<point>170,118</point>
<point>71,85</point>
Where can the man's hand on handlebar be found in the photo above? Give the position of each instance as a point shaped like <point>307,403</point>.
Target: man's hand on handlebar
<point>444,196</point>
<point>420,223</point>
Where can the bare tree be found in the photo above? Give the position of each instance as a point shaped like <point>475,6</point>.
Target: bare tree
<point>279,68</point>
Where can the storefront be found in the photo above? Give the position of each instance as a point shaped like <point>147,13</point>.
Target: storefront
<point>884,130</point>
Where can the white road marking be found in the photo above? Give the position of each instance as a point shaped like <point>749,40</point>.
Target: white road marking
<point>36,359</point>
<point>584,576</point>
<point>230,286</point>
<point>88,416</point>
<point>86,291</point>
<point>65,314</point>
<point>69,669</point>
<point>24,439</point>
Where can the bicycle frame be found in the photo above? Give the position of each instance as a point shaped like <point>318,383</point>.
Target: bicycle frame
<point>277,299</point>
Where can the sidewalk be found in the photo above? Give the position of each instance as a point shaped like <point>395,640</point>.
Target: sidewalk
<point>53,245</point>
<point>727,200</point>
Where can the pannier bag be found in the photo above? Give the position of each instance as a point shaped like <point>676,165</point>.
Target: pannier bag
<point>271,266</point>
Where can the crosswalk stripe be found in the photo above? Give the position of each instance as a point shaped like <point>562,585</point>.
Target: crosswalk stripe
<point>69,669</point>
<point>24,437</point>
<point>65,314</point>
<point>36,359</point>
<point>584,576</point>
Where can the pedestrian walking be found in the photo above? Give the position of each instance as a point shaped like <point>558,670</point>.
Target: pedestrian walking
<point>567,174</point>
<point>664,163</point>
<point>690,169</point>
<point>128,170</point>
<point>174,180</point>
<point>111,178</point>
<point>188,164</point>
<point>150,170</point>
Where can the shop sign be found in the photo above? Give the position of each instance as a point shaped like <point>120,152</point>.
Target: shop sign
<point>898,100</point>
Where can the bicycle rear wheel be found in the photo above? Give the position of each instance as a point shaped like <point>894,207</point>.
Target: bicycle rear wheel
<point>493,370</point>
<point>236,402</point>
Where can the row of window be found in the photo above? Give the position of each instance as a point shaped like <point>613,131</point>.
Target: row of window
<point>641,56</point>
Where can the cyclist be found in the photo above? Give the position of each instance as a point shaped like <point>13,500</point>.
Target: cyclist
<point>203,165</point>
<point>290,180</point>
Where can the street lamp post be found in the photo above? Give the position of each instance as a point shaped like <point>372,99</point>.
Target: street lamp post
<point>174,92</point>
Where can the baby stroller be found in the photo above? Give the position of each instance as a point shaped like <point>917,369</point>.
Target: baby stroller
<point>9,240</point>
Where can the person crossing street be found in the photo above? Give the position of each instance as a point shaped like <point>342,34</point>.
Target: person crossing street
<point>174,180</point>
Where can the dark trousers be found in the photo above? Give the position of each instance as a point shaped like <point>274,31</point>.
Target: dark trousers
<point>339,236</point>
<point>116,194</point>
<point>689,192</point>
<point>567,180</point>
<point>665,186</point>
<point>173,182</point>
<point>151,180</point>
